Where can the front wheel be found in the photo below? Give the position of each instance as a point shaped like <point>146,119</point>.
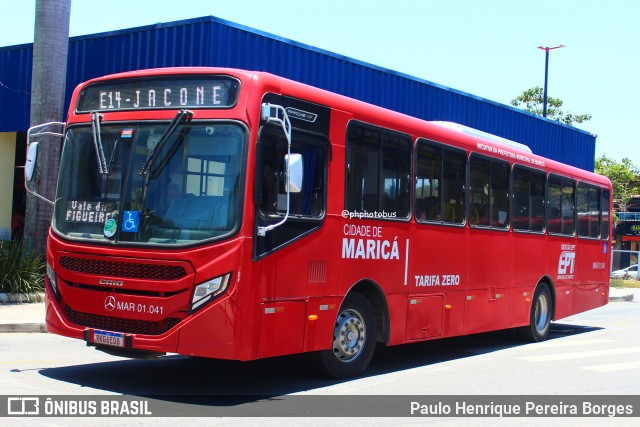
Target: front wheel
<point>354,339</point>
<point>540,316</point>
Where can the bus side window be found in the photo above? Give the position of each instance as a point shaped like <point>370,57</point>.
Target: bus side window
<point>594,213</point>
<point>480,188</point>
<point>490,191</point>
<point>528,199</point>
<point>560,207</point>
<point>428,181</point>
<point>588,211</point>
<point>568,207</point>
<point>604,206</point>
<point>440,181</point>
<point>454,169</point>
<point>378,171</point>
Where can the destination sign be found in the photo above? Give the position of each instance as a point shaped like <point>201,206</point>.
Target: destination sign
<point>160,93</point>
<point>88,212</point>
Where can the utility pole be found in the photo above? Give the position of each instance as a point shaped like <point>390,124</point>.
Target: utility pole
<point>49,73</point>
<point>546,74</point>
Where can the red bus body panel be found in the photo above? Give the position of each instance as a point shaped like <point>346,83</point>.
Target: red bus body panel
<point>434,280</point>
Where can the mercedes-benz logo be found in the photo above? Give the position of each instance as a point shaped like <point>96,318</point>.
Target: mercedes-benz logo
<point>110,303</point>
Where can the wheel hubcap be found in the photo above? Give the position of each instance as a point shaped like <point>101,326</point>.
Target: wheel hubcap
<point>349,335</point>
<point>542,313</point>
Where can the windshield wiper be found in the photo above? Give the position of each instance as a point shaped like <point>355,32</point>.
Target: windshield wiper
<point>155,151</point>
<point>97,142</point>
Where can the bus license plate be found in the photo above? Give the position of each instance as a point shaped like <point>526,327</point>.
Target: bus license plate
<point>115,339</point>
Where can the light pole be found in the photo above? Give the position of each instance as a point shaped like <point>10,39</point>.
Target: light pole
<point>546,74</point>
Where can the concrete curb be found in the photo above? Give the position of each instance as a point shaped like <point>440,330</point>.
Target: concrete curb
<point>21,298</point>
<point>23,327</point>
<point>22,312</point>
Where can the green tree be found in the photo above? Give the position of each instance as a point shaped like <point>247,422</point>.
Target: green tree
<point>624,176</point>
<point>532,99</point>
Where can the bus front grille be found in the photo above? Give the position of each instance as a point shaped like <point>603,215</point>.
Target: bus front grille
<point>123,269</point>
<point>117,324</point>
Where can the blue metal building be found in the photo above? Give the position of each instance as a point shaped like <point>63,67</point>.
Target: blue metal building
<point>209,41</point>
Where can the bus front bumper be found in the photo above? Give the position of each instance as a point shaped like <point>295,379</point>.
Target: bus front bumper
<point>210,332</point>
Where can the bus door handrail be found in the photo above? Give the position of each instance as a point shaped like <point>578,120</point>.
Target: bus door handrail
<point>268,114</point>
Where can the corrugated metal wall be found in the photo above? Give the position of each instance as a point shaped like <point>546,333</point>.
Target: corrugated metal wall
<point>210,41</point>
<point>15,87</point>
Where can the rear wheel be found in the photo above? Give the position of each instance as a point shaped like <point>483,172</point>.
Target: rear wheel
<point>540,316</point>
<point>354,339</point>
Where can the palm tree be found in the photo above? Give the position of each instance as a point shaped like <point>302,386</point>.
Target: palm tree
<point>50,47</point>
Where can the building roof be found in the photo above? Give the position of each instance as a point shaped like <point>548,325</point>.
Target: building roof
<point>210,41</point>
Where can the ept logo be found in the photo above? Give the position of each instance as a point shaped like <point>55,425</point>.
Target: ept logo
<point>566,264</point>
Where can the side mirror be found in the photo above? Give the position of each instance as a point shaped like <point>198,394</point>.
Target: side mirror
<point>30,165</point>
<point>30,175</point>
<point>296,172</point>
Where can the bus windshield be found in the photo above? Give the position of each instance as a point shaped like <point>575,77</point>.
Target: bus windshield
<point>191,191</point>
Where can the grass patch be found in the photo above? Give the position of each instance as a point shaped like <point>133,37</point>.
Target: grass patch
<point>19,272</point>
<point>617,283</point>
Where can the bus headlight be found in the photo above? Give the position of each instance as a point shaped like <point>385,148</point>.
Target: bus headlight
<point>207,291</point>
<point>53,280</point>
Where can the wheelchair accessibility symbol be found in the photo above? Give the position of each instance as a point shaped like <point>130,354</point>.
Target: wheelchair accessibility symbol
<point>130,221</point>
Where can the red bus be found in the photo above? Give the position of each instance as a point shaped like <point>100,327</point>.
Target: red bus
<point>231,214</point>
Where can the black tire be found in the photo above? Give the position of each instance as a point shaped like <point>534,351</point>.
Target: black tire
<point>354,339</point>
<point>540,316</point>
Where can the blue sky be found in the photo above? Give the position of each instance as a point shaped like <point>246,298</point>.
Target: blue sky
<point>487,48</point>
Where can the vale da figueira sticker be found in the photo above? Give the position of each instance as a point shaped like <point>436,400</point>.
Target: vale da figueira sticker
<point>130,223</point>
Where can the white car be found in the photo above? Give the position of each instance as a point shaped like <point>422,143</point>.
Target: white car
<point>630,272</point>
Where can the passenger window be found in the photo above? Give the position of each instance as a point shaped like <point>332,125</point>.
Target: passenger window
<point>528,200</point>
<point>606,221</point>
<point>489,200</point>
<point>440,180</point>
<point>588,211</point>
<point>378,172</point>
<point>561,203</point>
